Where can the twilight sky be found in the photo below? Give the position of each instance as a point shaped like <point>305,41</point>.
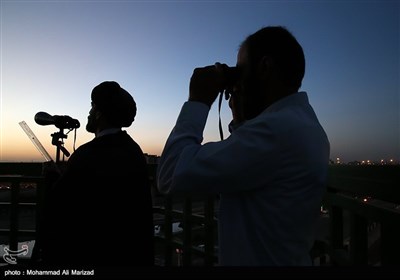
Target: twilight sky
<point>54,52</point>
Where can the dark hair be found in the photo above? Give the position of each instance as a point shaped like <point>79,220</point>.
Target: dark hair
<point>115,103</point>
<point>281,46</point>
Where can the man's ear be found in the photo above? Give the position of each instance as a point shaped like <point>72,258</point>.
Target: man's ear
<point>266,66</point>
<point>94,112</point>
<point>98,114</point>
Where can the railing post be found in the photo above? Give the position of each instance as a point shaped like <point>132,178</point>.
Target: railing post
<point>41,186</point>
<point>336,227</point>
<point>13,237</point>
<point>187,232</point>
<point>358,240</point>
<point>390,244</point>
<point>168,230</point>
<point>209,230</point>
<point>338,254</point>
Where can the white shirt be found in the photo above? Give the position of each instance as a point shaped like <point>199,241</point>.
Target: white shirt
<point>271,174</point>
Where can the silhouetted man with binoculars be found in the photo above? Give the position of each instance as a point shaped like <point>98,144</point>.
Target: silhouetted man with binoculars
<point>271,172</point>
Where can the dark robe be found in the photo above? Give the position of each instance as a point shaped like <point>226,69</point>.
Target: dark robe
<point>99,213</point>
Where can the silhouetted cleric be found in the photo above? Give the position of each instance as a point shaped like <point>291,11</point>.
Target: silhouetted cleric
<point>99,212</point>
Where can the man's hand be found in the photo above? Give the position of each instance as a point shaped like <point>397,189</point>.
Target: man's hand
<point>206,83</point>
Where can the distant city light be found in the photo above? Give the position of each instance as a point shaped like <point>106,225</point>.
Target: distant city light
<point>381,161</point>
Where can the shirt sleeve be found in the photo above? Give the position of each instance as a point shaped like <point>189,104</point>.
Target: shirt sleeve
<point>231,165</point>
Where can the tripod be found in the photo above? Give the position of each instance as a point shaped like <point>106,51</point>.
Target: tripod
<point>59,144</point>
<point>51,175</point>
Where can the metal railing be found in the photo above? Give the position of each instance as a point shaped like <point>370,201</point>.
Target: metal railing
<point>359,208</point>
<point>368,210</point>
<point>16,185</point>
<point>198,236</point>
<point>194,224</point>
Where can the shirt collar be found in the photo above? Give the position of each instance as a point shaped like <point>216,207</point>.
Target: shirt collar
<point>296,98</point>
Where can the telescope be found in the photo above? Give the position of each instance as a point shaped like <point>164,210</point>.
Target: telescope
<point>61,122</point>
